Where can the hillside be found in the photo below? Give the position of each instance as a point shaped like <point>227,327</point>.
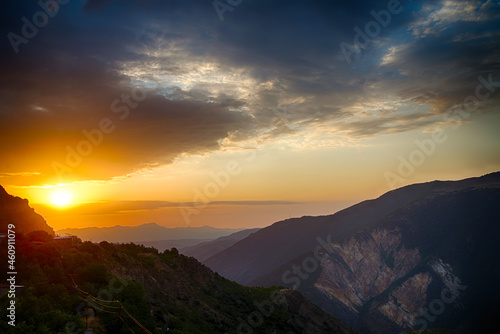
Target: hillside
<point>158,290</point>
<point>16,210</point>
<point>132,288</point>
<point>380,264</point>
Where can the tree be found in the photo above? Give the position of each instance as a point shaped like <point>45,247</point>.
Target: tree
<point>39,236</point>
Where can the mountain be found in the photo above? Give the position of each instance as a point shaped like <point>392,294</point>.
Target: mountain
<point>146,232</point>
<point>422,256</point>
<point>131,288</point>
<point>16,210</point>
<point>204,250</point>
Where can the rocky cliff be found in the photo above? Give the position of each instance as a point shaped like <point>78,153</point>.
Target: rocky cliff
<point>16,210</point>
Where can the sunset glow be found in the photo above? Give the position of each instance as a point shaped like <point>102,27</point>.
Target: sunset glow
<point>61,198</point>
<point>185,119</point>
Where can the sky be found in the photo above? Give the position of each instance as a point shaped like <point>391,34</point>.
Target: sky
<point>240,113</point>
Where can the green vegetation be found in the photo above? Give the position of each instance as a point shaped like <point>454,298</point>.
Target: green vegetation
<point>49,301</point>
<point>128,287</point>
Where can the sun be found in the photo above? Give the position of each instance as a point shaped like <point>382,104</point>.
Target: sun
<point>61,198</point>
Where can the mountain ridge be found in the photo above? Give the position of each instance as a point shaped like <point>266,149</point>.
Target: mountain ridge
<point>381,251</point>
<point>146,232</point>
<point>317,223</point>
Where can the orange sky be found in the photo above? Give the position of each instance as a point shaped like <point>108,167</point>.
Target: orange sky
<point>255,190</point>
<point>181,119</point>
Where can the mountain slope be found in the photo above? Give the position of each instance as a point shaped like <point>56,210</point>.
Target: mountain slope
<point>288,239</point>
<point>205,250</point>
<point>111,285</point>
<point>15,210</point>
<point>380,264</point>
<point>186,291</point>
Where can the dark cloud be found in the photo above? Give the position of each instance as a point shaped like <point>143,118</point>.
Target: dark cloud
<point>95,4</point>
<point>385,124</point>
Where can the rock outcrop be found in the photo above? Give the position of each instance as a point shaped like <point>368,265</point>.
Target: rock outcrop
<point>16,210</point>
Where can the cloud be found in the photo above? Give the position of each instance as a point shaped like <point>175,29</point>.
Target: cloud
<point>436,18</point>
<point>19,174</point>
<point>127,207</point>
<point>210,83</point>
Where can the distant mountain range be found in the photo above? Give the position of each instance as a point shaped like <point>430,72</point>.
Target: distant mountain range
<point>205,250</point>
<point>146,233</point>
<point>200,249</point>
<point>422,256</point>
